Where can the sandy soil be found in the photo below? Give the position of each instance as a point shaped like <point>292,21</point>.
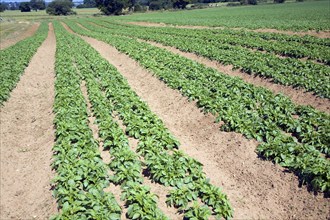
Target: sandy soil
<point>27,138</point>
<point>256,188</point>
<point>298,96</point>
<point>17,36</point>
<point>320,34</point>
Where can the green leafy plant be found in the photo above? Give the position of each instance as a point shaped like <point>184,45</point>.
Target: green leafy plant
<point>197,212</point>
<point>253,111</point>
<point>109,92</point>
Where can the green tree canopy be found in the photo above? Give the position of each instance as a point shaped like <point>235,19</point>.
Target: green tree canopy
<point>3,7</point>
<point>180,3</point>
<point>25,7</point>
<point>37,4</point>
<point>115,7</point>
<point>60,7</point>
<point>160,4</point>
<point>248,2</point>
<point>88,4</point>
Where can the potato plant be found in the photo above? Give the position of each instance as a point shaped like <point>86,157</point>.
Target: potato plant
<point>253,111</point>
<point>109,93</point>
<point>81,175</point>
<point>286,71</point>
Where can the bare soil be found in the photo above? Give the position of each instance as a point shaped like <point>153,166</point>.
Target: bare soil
<point>256,188</point>
<point>27,138</point>
<point>320,34</point>
<point>19,35</point>
<point>298,96</point>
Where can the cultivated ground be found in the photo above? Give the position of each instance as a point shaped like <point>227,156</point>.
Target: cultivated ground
<point>257,189</point>
<point>27,138</point>
<point>11,33</point>
<point>320,34</point>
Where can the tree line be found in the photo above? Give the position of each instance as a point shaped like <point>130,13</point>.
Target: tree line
<point>23,6</point>
<point>115,7</point>
<point>56,7</point>
<point>118,7</point>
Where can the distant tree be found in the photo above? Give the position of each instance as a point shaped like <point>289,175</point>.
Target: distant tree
<point>279,1</point>
<point>60,7</point>
<point>181,4</point>
<point>81,6</point>
<point>140,8</point>
<point>160,4</point>
<point>87,4</point>
<point>3,7</point>
<point>38,5</point>
<point>13,6</point>
<point>91,3</point>
<point>155,5</point>
<point>248,2</point>
<point>25,7</point>
<point>114,7</point>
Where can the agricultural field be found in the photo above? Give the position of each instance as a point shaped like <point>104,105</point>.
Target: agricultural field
<point>36,16</point>
<point>310,15</point>
<point>169,115</point>
<point>10,31</point>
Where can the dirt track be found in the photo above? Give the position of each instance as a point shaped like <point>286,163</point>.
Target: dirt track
<point>256,188</point>
<point>27,138</point>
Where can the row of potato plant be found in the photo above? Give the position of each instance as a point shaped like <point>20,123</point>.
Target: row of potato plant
<point>313,51</point>
<point>16,58</point>
<point>302,130</point>
<point>306,39</point>
<point>164,163</point>
<point>81,174</point>
<point>287,71</point>
<point>125,164</point>
<point>253,111</point>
